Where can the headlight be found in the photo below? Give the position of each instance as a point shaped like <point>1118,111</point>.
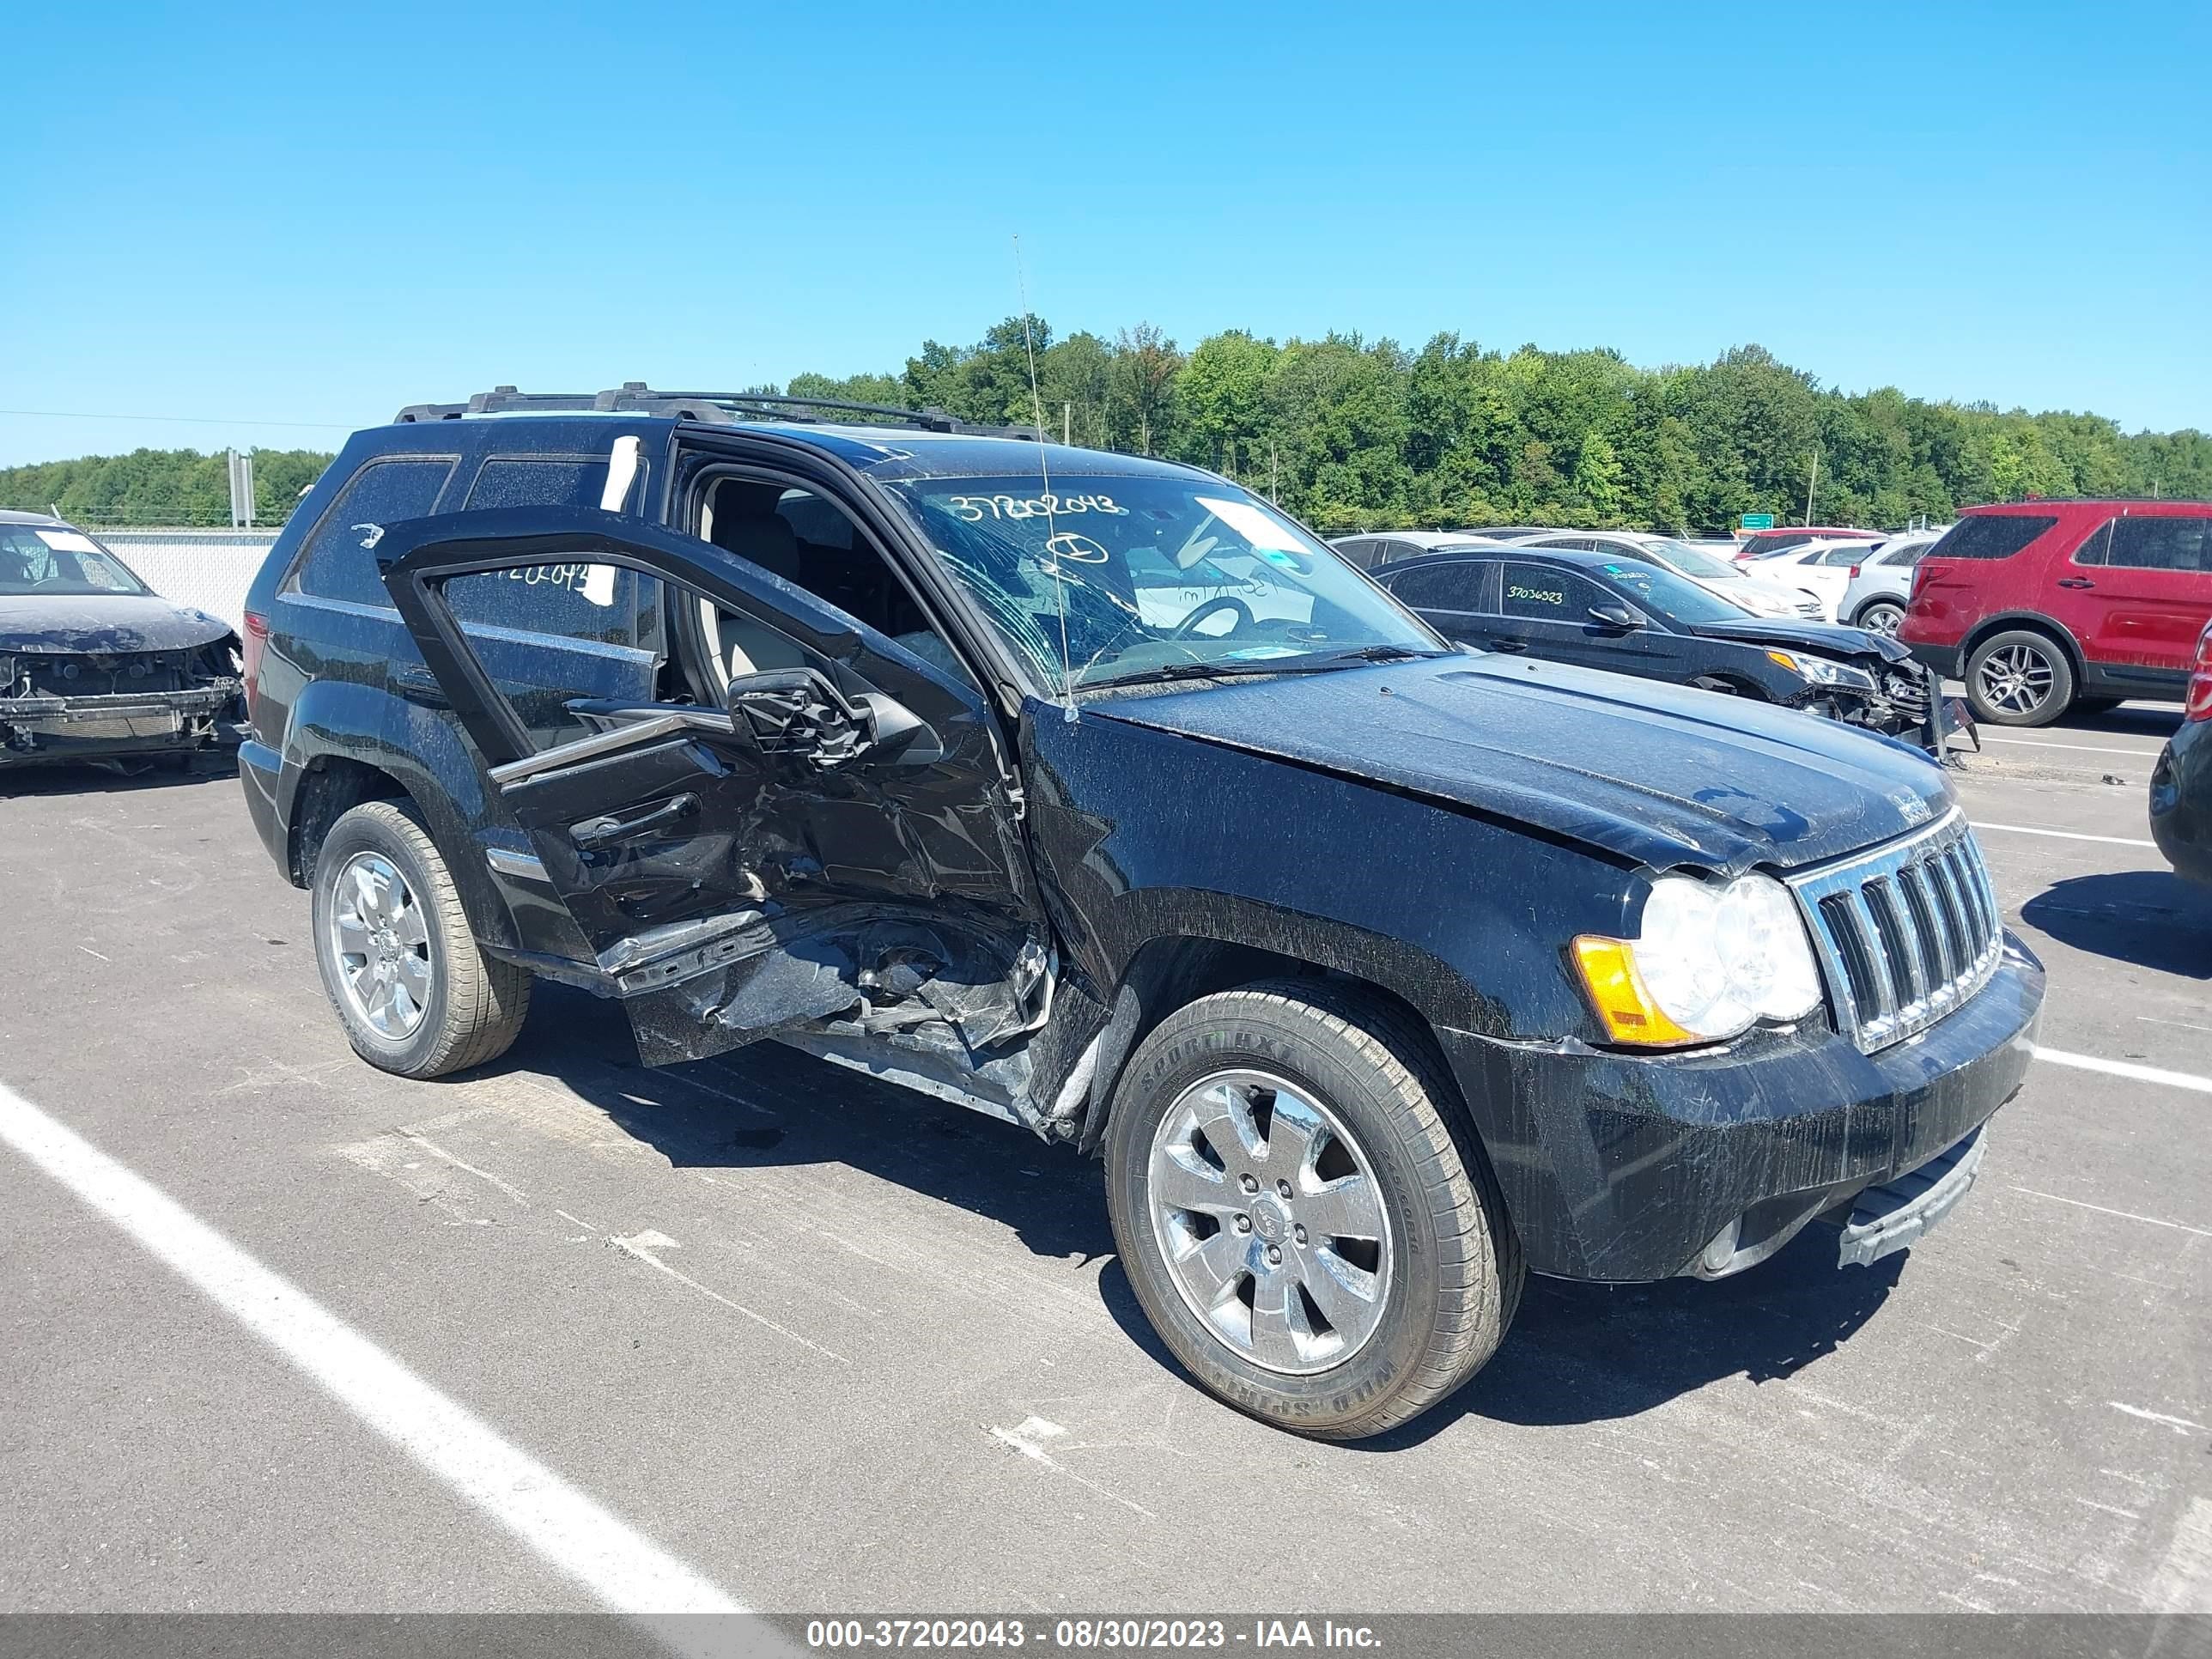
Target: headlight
<point>1707,962</point>
<point>1818,671</point>
<point>1757,599</point>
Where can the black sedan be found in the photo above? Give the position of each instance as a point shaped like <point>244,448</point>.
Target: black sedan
<point>2181,782</point>
<point>1608,611</point>
<point>95,665</point>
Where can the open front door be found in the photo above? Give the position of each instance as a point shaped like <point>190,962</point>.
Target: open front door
<point>835,845</point>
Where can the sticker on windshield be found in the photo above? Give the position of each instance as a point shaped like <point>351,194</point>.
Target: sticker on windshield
<point>1256,526</point>
<point>67,541</point>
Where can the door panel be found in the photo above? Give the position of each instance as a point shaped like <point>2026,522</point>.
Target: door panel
<point>1545,611</point>
<point>2143,585</point>
<point>741,871</point>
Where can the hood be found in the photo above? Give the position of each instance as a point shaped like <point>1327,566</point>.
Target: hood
<point>1826,638</point>
<point>85,624</point>
<point>1652,774</point>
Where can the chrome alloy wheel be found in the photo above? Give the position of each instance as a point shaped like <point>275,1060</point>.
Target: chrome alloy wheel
<point>381,945</point>
<point>1270,1221</point>
<point>2016,679</point>
<point>1883,619</point>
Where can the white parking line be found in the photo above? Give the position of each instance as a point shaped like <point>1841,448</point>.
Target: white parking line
<point>2126,1068</point>
<point>2082,748</point>
<point>2125,1215</point>
<point>594,1547</point>
<point>2060,834</point>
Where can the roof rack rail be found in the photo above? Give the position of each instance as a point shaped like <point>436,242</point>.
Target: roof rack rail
<point>721,407</point>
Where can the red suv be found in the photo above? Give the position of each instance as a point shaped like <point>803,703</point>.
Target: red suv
<point>2043,606</point>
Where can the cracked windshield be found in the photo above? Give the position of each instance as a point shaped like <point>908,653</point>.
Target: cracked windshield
<point>1163,578</point>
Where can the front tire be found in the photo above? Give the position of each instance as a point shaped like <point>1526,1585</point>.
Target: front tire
<point>416,995</point>
<point>2019,677</point>
<point>1311,1232</point>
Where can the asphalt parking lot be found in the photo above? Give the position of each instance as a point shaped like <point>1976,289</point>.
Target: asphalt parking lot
<point>784,1323</point>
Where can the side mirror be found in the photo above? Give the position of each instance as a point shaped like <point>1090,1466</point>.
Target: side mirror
<point>1616,616</point>
<point>800,712</point>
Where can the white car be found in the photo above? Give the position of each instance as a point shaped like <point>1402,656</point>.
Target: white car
<point>1822,568</point>
<point>1756,593</point>
<point>1877,591</point>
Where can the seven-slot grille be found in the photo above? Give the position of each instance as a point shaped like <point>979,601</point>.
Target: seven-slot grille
<point>1906,933</point>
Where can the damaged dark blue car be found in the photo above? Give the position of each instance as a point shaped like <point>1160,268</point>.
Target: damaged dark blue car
<point>1093,792</point>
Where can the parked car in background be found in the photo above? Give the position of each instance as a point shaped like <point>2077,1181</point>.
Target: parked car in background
<point>1881,584</point>
<point>1382,546</point>
<point>1823,569</point>
<point>1757,544</point>
<point>2042,607</point>
<point>1758,594</point>
<point>95,665</point>
<point>1382,975</point>
<point>1635,617</point>
<point>2181,782</point>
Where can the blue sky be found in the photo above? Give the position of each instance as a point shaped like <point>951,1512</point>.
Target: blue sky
<point>313,214</point>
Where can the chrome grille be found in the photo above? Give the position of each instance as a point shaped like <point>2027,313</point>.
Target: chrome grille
<point>1905,933</point>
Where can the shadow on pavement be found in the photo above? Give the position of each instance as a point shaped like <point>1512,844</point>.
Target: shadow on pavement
<point>121,777</point>
<point>2157,721</point>
<point>2151,918</point>
<point>766,1106</point>
<point>1577,1353</point>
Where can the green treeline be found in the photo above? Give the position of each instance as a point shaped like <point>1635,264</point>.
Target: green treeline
<point>159,487</point>
<point>1350,435</point>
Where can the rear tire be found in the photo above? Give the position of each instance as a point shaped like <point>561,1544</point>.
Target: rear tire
<point>416,995</point>
<point>1356,1119</point>
<point>2020,677</point>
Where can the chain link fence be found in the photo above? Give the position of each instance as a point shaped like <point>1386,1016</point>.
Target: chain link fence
<point>207,569</point>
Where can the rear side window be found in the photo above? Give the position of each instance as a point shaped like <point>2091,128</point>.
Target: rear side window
<point>338,563</point>
<point>596,602</point>
<point>2160,544</point>
<point>1990,535</point>
<point>1441,587</point>
<point>507,481</point>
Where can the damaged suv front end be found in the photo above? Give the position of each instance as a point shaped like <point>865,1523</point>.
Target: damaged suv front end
<point>96,666</point>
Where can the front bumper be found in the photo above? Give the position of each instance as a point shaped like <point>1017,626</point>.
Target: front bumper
<point>1625,1167</point>
<point>47,728</point>
<point>2181,801</point>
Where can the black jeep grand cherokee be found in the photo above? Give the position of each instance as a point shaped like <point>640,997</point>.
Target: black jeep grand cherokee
<point>1090,791</point>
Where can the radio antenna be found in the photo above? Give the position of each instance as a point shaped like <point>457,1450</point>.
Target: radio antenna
<point>1044,472</point>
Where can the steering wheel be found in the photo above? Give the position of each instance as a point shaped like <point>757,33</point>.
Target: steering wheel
<point>1183,629</point>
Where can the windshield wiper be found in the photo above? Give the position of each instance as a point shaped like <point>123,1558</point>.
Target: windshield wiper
<point>1303,664</point>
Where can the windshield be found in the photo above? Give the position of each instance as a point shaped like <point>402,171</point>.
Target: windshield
<point>1671,597</point>
<point>53,559</point>
<point>1160,575</point>
<point>1695,561</point>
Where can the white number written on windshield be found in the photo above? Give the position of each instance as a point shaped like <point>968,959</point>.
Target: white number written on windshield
<point>977,508</point>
